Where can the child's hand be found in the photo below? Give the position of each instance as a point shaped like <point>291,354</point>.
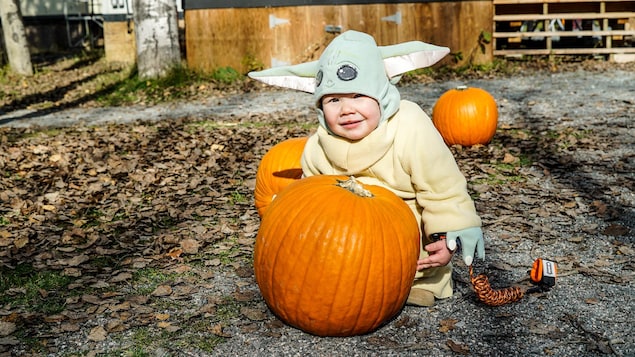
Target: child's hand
<point>439,256</point>
<point>471,240</point>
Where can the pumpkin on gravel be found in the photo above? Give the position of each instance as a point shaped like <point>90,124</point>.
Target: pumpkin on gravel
<point>334,257</point>
<point>279,167</point>
<point>466,116</point>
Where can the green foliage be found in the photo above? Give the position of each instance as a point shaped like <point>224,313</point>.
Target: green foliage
<point>227,310</point>
<point>146,280</point>
<point>226,75</point>
<point>37,291</point>
<point>484,39</point>
<point>496,66</point>
<point>178,83</point>
<point>4,74</point>
<point>251,63</point>
<point>237,197</point>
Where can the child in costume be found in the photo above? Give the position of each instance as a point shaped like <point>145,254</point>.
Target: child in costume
<point>367,131</point>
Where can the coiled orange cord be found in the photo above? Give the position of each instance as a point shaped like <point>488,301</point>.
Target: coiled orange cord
<point>492,297</point>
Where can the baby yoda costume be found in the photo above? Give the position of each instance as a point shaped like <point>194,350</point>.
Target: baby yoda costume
<point>405,153</point>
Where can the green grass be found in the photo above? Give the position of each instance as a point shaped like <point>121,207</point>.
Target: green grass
<point>175,85</point>
<point>506,172</point>
<point>193,335</point>
<point>146,280</point>
<point>35,291</point>
<point>229,309</point>
<point>146,340</point>
<point>206,125</point>
<point>41,133</point>
<point>568,138</point>
<point>226,75</point>
<point>237,197</point>
<point>228,250</point>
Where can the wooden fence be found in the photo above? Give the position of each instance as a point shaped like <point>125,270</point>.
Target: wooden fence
<point>243,38</point>
<point>565,27</point>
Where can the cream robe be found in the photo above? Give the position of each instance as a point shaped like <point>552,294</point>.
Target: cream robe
<point>406,155</point>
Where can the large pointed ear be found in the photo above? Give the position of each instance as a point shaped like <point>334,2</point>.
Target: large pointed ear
<point>398,59</point>
<point>408,56</point>
<point>299,77</point>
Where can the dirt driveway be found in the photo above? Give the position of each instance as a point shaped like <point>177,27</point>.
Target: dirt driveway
<point>557,182</point>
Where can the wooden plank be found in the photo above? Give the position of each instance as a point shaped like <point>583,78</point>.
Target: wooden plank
<point>528,10</point>
<point>624,57</point>
<point>243,38</point>
<point>565,51</point>
<point>226,38</point>
<point>512,2</point>
<point>564,33</point>
<point>565,16</point>
<point>119,42</point>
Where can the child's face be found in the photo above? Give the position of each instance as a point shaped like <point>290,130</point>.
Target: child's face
<point>351,116</point>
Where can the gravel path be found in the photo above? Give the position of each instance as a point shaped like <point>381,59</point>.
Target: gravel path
<point>560,214</point>
<point>576,206</point>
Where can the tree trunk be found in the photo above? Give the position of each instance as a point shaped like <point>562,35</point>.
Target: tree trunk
<point>157,36</point>
<point>15,38</point>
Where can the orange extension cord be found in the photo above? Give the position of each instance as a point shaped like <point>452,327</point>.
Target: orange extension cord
<point>492,297</point>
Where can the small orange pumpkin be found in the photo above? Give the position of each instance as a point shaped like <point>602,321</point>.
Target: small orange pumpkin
<point>466,116</point>
<point>279,167</point>
<point>334,257</point>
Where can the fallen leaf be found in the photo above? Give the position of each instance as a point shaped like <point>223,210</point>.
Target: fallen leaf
<point>459,348</point>
<point>510,159</point>
<point>576,239</point>
<point>119,307</point>
<point>69,327</point>
<point>75,261</point>
<point>213,262</point>
<point>9,341</point>
<point>115,326</point>
<point>162,317</point>
<point>190,246</point>
<point>121,277</point>
<point>217,330</point>
<point>54,318</point>
<point>174,253</point>
<point>615,230</point>
<point>20,242</point>
<point>447,325</point>
<point>245,296</point>
<point>162,290</point>
<point>7,328</point>
<point>541,328</point>
<point>253,314</point>
<point>97,334</point>
<point>92,299</point>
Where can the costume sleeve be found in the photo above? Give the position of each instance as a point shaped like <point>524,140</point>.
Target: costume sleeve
<point>440,187</point>
<point>310,157</point>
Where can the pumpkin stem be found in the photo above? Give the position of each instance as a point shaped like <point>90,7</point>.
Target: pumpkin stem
<point>461,87</point>
<point>354,186</point>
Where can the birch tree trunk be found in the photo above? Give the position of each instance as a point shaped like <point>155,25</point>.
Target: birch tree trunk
<point>15,38</point>
<point>157,36</point>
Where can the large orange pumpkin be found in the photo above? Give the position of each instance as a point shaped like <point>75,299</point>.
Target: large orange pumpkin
<point>278,168</point>
<point>466,116</point>
<point>334,257</point>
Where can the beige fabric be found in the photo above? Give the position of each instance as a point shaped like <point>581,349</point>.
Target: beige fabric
<point>407,155</point>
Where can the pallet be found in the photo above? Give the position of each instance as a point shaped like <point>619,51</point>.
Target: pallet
<point>563,27</point>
